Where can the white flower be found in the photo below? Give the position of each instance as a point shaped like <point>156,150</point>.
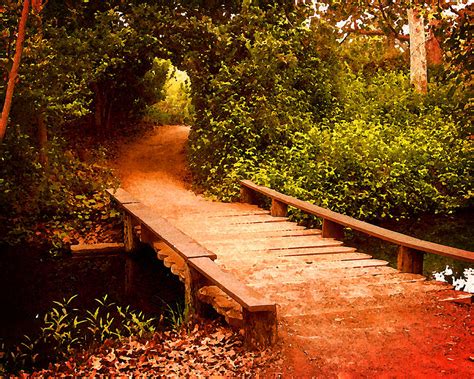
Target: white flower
<point>448,271</point>
<point>459,284</point>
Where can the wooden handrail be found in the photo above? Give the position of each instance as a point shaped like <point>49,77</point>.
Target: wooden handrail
<point>258,312</point>
<point>361,226</point>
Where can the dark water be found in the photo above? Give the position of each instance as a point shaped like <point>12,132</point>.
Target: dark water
<point>31,280</point>
<point>456,231</point>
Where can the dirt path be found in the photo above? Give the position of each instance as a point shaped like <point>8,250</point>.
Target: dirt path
<point>351,335</point>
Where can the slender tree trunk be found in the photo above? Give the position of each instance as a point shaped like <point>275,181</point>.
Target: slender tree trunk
<point>42,138</point>
<point>418,71</point>
<point>42,130</point>
<point>12,77</point>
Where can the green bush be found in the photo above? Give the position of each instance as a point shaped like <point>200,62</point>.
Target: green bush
<point>385,152</point>
<point>175,107</point>
<point>390,154</point>
<point>270,84</point>
<point>40,202</point>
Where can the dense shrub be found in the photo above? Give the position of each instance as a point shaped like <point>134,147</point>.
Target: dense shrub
<point>48,201</point>
<point>175,106</point>
<point>384,152</point>
<point>389,154</point>
<point>271,84</point>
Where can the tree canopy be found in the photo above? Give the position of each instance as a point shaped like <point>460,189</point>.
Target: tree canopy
<point>276,98</point>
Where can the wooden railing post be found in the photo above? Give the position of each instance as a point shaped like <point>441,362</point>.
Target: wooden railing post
<point>278,209</point>
<point>131,274</point>
<point>332,230</point>
<point>260,328</point>
<point>247,195</point>
<point>409,260</point>
<point>193,283</point>
<point>130,240</point>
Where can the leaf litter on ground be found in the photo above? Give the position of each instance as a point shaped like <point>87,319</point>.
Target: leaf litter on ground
<point>208,349</point>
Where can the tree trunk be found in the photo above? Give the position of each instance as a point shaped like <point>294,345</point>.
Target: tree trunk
<point>42,139</point>
<point>434,53</point>
<point>99,109</point>
<point>13,76</point>
<point>418,73</point>
<point>391,51</point>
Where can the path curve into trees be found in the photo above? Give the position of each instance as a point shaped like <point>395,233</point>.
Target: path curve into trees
<point>418,337</point>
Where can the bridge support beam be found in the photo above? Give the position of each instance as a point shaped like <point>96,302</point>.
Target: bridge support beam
<point>409,260</point>
<point>260,328</point>
<point>332,230</point>
<point>278,209</point>
<point>193,283</point>
<point>247,196</point>
<point>130,239</point>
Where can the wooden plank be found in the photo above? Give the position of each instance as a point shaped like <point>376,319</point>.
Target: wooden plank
<point>319,250</point>
<point>235,220</point>
<point>257,212</point>
<point>326,265</point>
<point>369,276</point>
<point>254,219</point>
<point>162,229</point>
<point>223,228</point>
<point>267,279</point>
<point>271,260</point>
<point>244,246</point>
<point>372,230</point>
<point>122,196</point>
<point>98,249</point>
<point>244,295</point>
<point>249,234</point>
<point>276,240</point>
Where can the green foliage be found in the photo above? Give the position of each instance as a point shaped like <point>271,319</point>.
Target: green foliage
<point>390,153</point>
<point>367,55</point>
<point>175,106</point>
<point>66,328</point>
<point>270,83</point>
<point>178,317</point>
<point>47,203</point>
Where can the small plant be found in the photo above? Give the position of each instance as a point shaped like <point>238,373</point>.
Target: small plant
<point>134,323</point>
<point>60,330</point>
<point>99,322</point>
<point>179,316</point>
<point>66,328</point>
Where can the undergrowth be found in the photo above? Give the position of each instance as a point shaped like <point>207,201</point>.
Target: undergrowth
<point>44,204</point>
<point>66,329</point>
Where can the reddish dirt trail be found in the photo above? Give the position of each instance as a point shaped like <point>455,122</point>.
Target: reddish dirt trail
<point>411,335</point>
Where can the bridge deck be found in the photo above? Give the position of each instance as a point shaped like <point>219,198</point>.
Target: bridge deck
<point>332,320</point>
<point>297,268</point>
<point>252,267</point>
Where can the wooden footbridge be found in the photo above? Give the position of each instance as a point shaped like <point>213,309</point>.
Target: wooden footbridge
<point>256,268</point>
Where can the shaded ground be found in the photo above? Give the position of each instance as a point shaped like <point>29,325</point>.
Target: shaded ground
<point>403,333</point>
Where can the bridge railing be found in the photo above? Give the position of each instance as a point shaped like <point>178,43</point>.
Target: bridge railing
<point>411,250</point>
<point>258,313</point>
